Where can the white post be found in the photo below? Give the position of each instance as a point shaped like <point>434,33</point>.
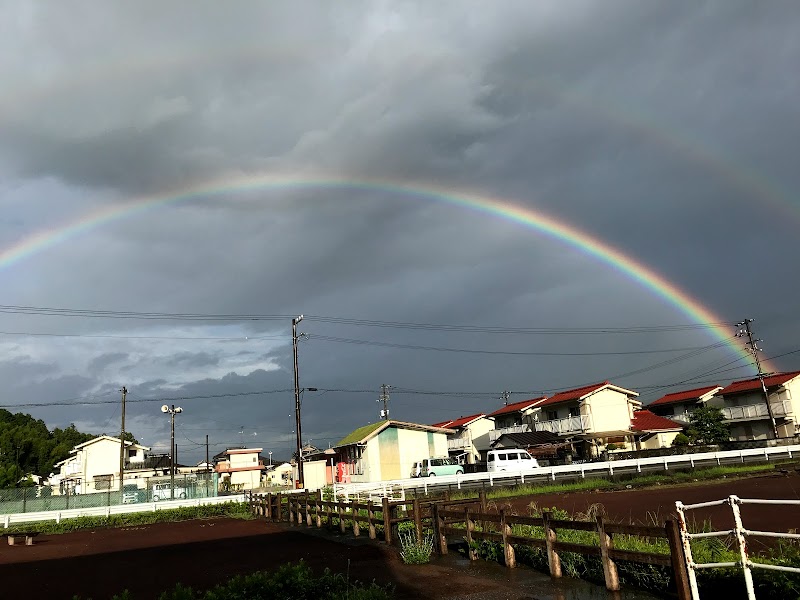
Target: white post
<point>687,550</point>
<point>638,465</point>
<point>552,473</point>
<point>741,542</point>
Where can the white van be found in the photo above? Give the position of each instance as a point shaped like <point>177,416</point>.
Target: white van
<point>513,459</point>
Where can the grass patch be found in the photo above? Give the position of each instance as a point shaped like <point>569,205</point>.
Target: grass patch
<point>234,510</point>
<point>414,552</point>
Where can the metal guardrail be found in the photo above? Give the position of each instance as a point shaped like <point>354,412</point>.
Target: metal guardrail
<point>118,509</point>
<point>739,532</point>
<point>595,469</point>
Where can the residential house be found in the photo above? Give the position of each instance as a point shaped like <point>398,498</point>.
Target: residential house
<point>592,416</point>
<point>471,440</point>
<point>387,450</point>
<point>513,418</point>
<point>93,466</point>
<point>242,470</point>
<point>280,473</point>
<point>679,406</point>
<point>745,408</point>
<point>652,431</point>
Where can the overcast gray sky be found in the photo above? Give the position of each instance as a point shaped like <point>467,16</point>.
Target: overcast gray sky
<point>668,131</point>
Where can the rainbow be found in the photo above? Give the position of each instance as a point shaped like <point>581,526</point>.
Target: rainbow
<point>494,207</point>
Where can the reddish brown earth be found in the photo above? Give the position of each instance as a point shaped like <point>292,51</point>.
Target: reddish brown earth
<point>150,559</point>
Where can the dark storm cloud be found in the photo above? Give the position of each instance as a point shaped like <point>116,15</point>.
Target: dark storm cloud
<point>667,131</point>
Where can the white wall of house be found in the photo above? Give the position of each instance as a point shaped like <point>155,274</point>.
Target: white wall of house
<point>280,474</point>
<point>659,440</point>
<point>609,410</point>
<point>315,474</point>
<point>95,461</point>
<point>751,430</point>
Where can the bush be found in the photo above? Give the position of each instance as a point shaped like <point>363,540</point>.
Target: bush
<point>680,440</point>
<point>415,552</point>
<point>289,582</point>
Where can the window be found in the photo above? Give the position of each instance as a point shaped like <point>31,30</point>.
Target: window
<point>132,453</point>
<point>552,415</point>
<point>501,457</point>
<point>575,411</point>
<point>103,482</point>
<point>490,458</point>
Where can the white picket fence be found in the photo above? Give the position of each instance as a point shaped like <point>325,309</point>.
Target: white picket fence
<point>595,469</point>
<point>740,535</point>
<point>118,509</point>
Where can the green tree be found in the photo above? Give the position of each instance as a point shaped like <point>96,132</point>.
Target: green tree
<point>681,440</point>
<point>707,426</point>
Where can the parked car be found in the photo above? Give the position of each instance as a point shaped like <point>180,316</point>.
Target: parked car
<point>513,459</point>
<point>430,467</point>
<point>161,491</point>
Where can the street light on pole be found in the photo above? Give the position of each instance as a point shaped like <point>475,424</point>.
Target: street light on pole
<point>174,410</point>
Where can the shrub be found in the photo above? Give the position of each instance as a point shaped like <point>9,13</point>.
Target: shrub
<point>681,440</point>
<point>415,552</point>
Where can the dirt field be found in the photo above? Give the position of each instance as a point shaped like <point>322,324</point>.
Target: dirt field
<point>150,559</point>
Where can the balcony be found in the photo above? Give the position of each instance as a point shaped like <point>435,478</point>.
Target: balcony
<point>566,425</point>
<point>755,411</point>
<point>496,433</point>
<point>460,442</point>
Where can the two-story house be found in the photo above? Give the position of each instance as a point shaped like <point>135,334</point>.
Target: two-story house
<point>678,406</point>
<point>597,415</point>
<point>242,469</point>
<point>471,440</point>
<point>93,466</point>
<point>745,407</point>
<point>513,418</point>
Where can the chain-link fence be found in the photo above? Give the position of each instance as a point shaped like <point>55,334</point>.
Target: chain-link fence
<point>44,497</point>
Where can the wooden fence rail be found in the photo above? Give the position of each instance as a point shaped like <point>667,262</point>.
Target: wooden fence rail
<point>460,518</point>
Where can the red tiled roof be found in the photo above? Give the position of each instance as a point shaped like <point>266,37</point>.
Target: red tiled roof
<point>747,385</point>
<point>461,421</point>
<point>684,396</point>
<point>517,406</point>
<point>576,394</point>
<point>644,420</point>
<point>442,424</point>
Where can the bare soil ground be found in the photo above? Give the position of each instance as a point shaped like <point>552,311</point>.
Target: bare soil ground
<point>150,559</point>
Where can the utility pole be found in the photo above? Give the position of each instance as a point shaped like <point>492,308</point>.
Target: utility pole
<point>208,467</point>
<point>752,347</point>
<point>299,483</point>
<point>505,397</point>
<point>124,391</point>
<point>385,399</point>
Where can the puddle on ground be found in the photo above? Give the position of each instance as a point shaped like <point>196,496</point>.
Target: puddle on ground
<point>533,584</point>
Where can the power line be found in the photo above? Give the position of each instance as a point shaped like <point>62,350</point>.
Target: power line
<point>326,338</point>
<point>177,316</point>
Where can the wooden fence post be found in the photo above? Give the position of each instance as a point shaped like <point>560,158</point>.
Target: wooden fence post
<point>678,557</point>
<point>387,521</point>
<point>319,510</point>
<point>482,498</point>
<point>508,549</point>
<point>371,520</point>
<point>472,553</point>
<point>299,507</point>
<point>342,510</point>
<point>417,519</point>
<point>290,508</point>
<point>356,527</point>
<point>550,538</point>
<point>438,531</point>
<point>329,513</point>
<point>268,507</point>
<point>609,566</point>
<point>307,510</point>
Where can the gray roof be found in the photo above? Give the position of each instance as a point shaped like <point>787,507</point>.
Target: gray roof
<point>528,439</point>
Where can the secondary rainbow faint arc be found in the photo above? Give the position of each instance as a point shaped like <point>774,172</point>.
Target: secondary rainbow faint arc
<point>494,207</point>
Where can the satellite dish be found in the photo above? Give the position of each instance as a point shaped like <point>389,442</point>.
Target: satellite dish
<point>165,408</point>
